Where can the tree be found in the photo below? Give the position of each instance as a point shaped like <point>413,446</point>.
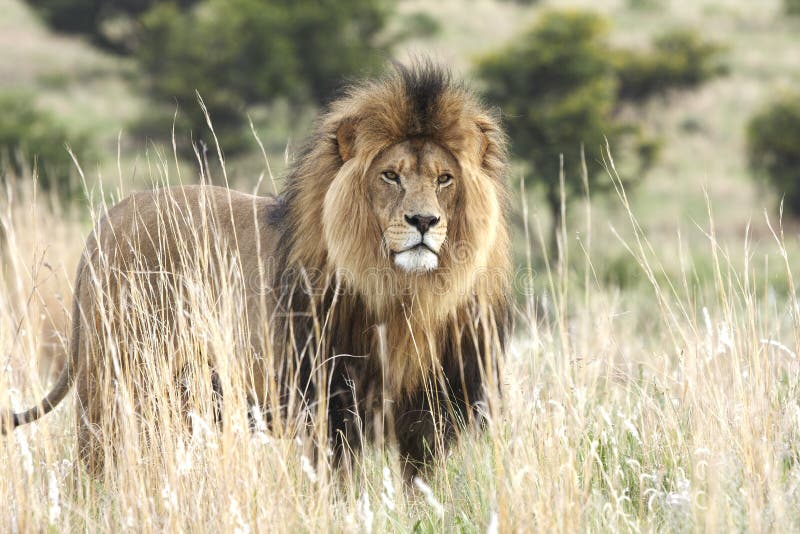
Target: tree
<point>773,138</point>
<point>561,85</point>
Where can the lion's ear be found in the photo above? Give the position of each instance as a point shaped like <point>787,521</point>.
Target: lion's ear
<point>345,138</point>
<point>492,150</point>
<point>484,145</point>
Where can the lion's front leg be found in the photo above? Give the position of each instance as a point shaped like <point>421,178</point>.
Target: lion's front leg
<point>429,420</point>
<point>349,416</point>
<point>426,424</point>
<point>455,399</point>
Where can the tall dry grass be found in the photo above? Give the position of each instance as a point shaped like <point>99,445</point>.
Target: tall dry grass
<point>671,409</point>
<point>39,249</point>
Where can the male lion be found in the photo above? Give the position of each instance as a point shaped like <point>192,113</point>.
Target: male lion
<point>377,283</point>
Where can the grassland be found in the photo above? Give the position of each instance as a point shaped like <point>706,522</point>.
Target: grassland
<point>653,381</point>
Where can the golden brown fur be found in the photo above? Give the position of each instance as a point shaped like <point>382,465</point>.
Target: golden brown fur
<point>423,335</point>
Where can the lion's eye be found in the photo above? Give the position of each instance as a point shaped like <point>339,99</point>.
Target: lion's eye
<point>390,177</point>
<point>445,179</point>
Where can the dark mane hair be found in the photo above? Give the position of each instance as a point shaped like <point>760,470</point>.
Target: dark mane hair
<point>423,85</point>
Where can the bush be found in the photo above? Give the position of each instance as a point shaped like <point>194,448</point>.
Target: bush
<point>645,4</point>
<point>557,88</point>
<point>773,138</point>
<point>33,139</point>
<point>680,59</point>
<point>236,53</point>
<point>792,7</point>
<point>418,25</point>
<point>112,26</point>
<point>561,85</point>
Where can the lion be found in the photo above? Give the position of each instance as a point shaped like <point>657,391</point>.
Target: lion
<point>382,269</point>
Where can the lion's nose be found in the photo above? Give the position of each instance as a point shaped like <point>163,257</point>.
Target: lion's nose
<point>422,222</point>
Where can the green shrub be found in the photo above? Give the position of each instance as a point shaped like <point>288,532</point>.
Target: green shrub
<point>112,26</point>
<point>646,5</point>
<point>679,59</point>
<point>561,85</point>
<point>773,143</point>
<point>419,25</point>
<point>557,89</point>
<point>236,53</point>
<point>31,139</point>
<point>792,7</point>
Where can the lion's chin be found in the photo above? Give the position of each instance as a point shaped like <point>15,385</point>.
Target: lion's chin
<point>416,260</point>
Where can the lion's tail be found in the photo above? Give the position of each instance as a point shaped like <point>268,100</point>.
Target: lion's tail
<point>11,420</point>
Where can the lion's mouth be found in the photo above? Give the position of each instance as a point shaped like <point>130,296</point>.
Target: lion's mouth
<point>419,258</point>
<point>419,246</point>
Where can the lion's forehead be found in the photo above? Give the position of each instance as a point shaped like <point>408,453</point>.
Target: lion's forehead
<point>422,156</point>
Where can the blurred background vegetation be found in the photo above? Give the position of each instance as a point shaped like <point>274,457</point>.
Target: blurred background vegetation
<point>696,99</point>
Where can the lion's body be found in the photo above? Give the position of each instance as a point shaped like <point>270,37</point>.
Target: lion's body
<point>170,230</point>
<point>139,251</point>
<point>408,347</point>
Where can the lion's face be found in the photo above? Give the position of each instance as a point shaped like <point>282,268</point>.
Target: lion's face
<point>412,188</point>
<point>409,182</point>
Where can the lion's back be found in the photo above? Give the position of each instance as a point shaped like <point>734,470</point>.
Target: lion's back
<point>181,223</point>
